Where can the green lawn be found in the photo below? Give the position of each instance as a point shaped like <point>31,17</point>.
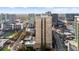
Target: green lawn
<point>6,49</point>
<point>6,35</point>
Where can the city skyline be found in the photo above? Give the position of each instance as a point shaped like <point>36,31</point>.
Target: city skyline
<point>26,10</point>
<point>38,31</point>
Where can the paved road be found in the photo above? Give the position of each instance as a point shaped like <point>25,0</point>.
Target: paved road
<point>16,44</point>
<point>59,42</point>
<point>14,47</point>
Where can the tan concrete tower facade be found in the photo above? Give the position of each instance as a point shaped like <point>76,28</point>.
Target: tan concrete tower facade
<point>43,26</point>
<point>38,31</point>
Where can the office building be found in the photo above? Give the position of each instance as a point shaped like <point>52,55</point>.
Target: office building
<point>31,20</point>
<point>70,17</point>
<point>18,24</point>
<point>55,19</point>
<point>43,35</point>
<point>73,45</point>
<point>76,25</point>
<point>61,17</point>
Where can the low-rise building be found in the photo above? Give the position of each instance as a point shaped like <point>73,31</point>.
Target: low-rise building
<point>29,41</point>
<point>2,42</point>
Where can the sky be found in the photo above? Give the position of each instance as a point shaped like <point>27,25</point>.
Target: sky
<point>24,10</point>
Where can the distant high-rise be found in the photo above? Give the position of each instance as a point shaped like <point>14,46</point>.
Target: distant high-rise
<point>70,17</point>
<point>61,17</point>
<point>55,19</point>
<point>43,26</point>
<point>48,13</point>
<point>7,17</point>
<point>31,20</point>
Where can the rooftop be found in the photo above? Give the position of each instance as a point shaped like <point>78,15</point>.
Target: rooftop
<point>2,41</point>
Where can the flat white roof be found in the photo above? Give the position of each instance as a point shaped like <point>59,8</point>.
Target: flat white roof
<point>30,43</point>
<point>76,16</point>
<point>28,38</point>
<point>2,41</point>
